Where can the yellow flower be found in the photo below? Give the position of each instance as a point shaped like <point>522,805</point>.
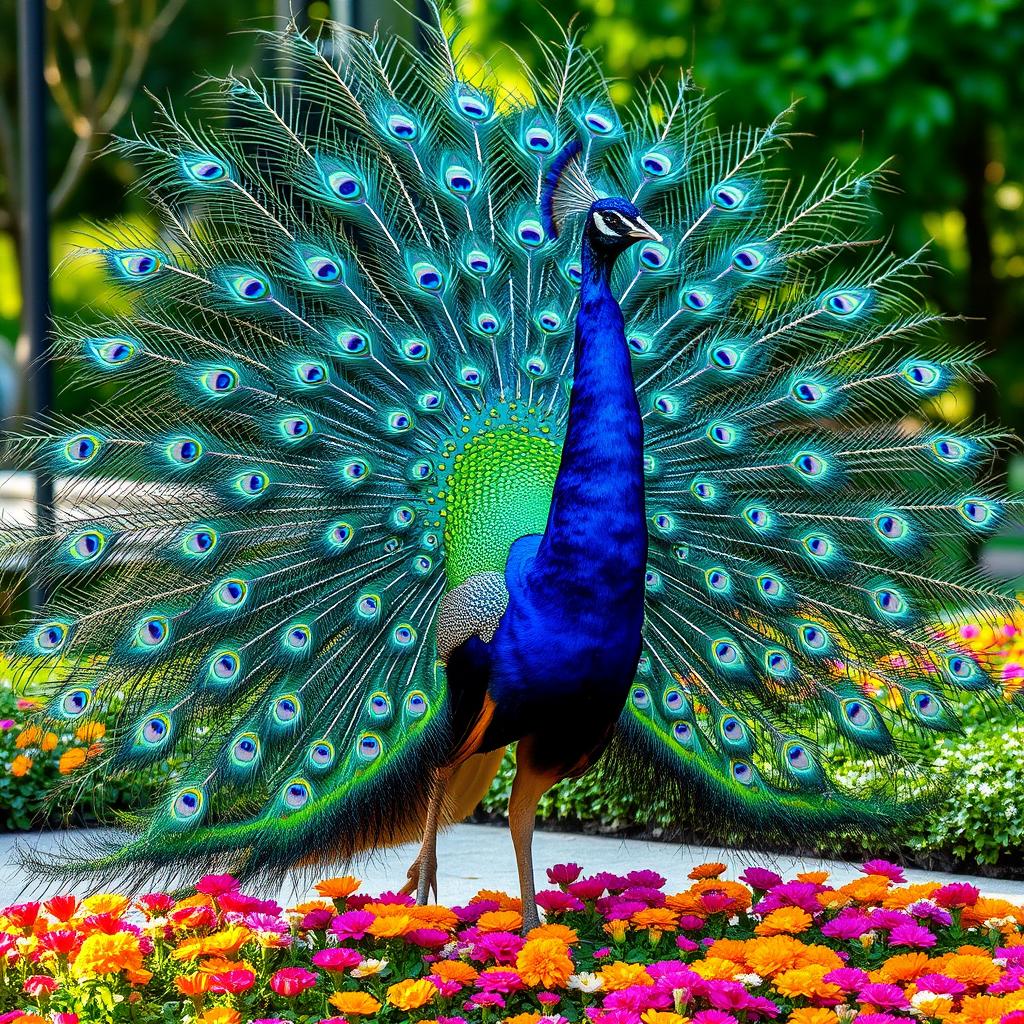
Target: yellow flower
<point>713,968</point>
<point>812,1015</point>
<point>108,954</point>
<point>620,975</point>
<point>220,1015</point>
<point>355,1004</point>
<point>662,1017</point>
<point>391,927</point>
<point>338,888</point>
<point>806,983</point>
<point>544,963</point>
<point>89,732</point>
<point>105,903</point>
<point>20,766</point>
<point>784,921</point>
<point>411,995</point>
<point>72,758</point>
<point>616,930</point>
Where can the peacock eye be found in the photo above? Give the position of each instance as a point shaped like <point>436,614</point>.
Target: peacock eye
<point>747,259</point>
<point>87,546</point>
<point>311,373</point>
<point>200,542</point>
<point>224,667</point>
<point>777,663</point>
<point>252,484</point>
<point>353,343</point>
<point>427,277</point>
<point>416,703</point>
<point>769,586</point>
<point>51,637</point>
<point>796,756</point>
<point>404,635</point>
<point>354,470</point>
<point>368,605</point>
<point>530,233</point>
<point>153,631</point>
<point>139,264</point>
<point>294,428</point>
<point>698,299</point>
<point>922,376</point>
<point>728,197</point>
<point>641,697</point>
<point>185,451</point>
<point>346,186</point>
<point>76,702</point>
<point>726,653</point>
<point>459,180</point>
<point>340,535</point>
<point>742,773</point>
<point>807,392</point>
<point>250,287</point>
<point>843,303</point>
<point>402,127</point>
<point>380,706</point>
<point>220,381</point>
<point>654,256</point>
<point>655,164</point>
<point>809,465</point>
<point>323,269</point>
<point>926,704</point>
<point>539,140</point>
<point>416,350</point>
<point>113,352</point>
<point>368,747</point>
<point>232,593</point>
<point>759,518</point>
<point>205,170</point>
<point>598,123</point>
<point>478,262</point>
<point>890,602</point>
<point>673,700</point>
<point>400,421</point>
<point>188,803</point>
<point>321,753</point>
<point>977,511</point>
<point>726,357</point>
<point>246,748</point>
<point>717,580</point>
<point>296,795</point>
<point>683,733</point>
<point>297,637</point>
<point>473,106</point>
<point>156,730</point>
<point>813,637</point>
<point>857,712</point>
<point>890,526</point>
<point>82,448</point>
<point>287,709</point>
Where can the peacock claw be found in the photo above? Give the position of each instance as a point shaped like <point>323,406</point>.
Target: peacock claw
<point>423,883</point>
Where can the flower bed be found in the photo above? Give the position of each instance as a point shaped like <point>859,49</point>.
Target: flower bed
<point>614,949</point>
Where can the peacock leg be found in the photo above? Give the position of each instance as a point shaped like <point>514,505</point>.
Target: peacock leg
<point>422,872</point>
<point>528,787</point>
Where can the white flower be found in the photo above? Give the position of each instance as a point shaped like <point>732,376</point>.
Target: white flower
<point>753,980</point>
<point>585,981</point>
<point>368,968</point>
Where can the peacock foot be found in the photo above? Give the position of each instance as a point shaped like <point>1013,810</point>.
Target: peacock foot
<point>531,918</point>
<point>422,879</point>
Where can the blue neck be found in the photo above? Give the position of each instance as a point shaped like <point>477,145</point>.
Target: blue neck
<point>594,548</point>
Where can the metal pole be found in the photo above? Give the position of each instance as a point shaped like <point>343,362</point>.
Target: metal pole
<point>35,226</point>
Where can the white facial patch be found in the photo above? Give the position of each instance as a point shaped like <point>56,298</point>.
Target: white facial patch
<point>602,225</point>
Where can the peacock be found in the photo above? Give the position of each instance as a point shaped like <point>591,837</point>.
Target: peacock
<point>441,417</point>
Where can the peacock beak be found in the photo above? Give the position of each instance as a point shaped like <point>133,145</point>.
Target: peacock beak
<point>644,230</point>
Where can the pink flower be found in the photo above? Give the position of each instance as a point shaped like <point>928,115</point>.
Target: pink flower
<point>502,947</point>
<point>317,920</point>
<point>280,1020</point>
<point>554,901</point>
<point>471,914</point>
<point>878,1018</point>
<point>715,902</point>
<point>888,997</point>
<point>713,1017</point>
<point>399,899</point>
<point>847,926</point>
<point>71,1018</point>
<point>956,894</point>
<point>564,874</point>
<point>501,981</point>
<point>548,998</point>
<point>649,894</point>
<point>488,999</point>
<point>352,924</point>
<point>849,979</point>
<point>238,903</point>
<point>38,985</point>
<point>690,922</point>
<point>638,998</point>
<point>427,938</point>
<point>914,935</point>
<point>155,903</point>
<point>292,981</point>
<point>760,878</point>
<point>325,1020</point>
<point>646,878</point>
<point>337,959</point>
<point>232,982</point>
<point>6,723</point>
<point>727,995</point>
<point>941,984</point>
<point>929,912</point>
<point>587,888</point>
<point>445,986</point>
<point>217,885</point>
<point>685,944</point>
<point>883,867</point>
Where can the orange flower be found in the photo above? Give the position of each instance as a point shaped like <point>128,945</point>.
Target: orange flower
<point>784,921</point>
<point>504,901</point>
<point>192,985</point>
<point>355,1004</point>
<point>107,954</point>
<point>715,968</point>
<point>812,1015</point>
<point>48,742</point>
<point>411,995</point>
<point>620,975</point>
<point>729,949</point>
<point>867,888</point>
<point>973,970</point>
<point>983,1009</point>
<point>28,737</point>
<point>936,1006</point>
<point>554,930</point>
<point>689,902</point>
<point>820,956</point>
<point>105,903</point>
<point>544,963</point>
<point>529,1017</point>
<point>814,877</point>
<point>89,732</point>
<point>220,1015</point>
<point>500,921</point>
<point>902,896</point>
<point>433,916</point>
<point>655,919</point>
<point>769,956</point>
<point>30,1018</point>
<point>20,766</point>
<point>72,758</point>
<point>338,888</point>
<point>454,970</point>
<point>905,967</point>
<point>713,869</point>
<point>806,983</point>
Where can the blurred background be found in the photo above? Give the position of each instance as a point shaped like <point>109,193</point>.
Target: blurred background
<point>935,84</point>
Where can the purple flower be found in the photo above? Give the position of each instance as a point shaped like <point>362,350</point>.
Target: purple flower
<point>792,894</point>
<point>471,914</point>
<point>888,997</point>
<point>929,912</point>
<point>648,894</point>
<point>613,883</point>
<point>6,723</point>
<point>883,867</point>
<point>353,924</point>
<point>615,908</point>
<point>760,878</point>
<point>887,919</point>
<point>1009,953</point>
<point>914,935</point>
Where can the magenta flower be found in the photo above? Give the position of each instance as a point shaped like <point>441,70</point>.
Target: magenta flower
<point>883,867</point>
<point>685,944</point>
<point>292,981</point>
<point>587,888</point>
<point>847,926</point>
<point>337,959</point>
<point>956,894</point>
<point>491,1000</point>
<point>940,985</point>
<point>500,981</point>
<point>727,995</point>
<point>612,882</point>
<point>914,935</point>
<point>690,922</point>
<point>40,985</point>
<point>352,924</point>
<point>1009,953</point>
<point>237,903</point>
<point>400,899</point>
<point>232,982</point>
<point>759,1006</point>
<point>760,878</point>
<point>548,998</point>
<point>427,938</point>
<point>6,723</point>
<point>471,914</point>
<point>849,979</point>
<point>317,920</point>
<point>929,912</point>
<point>888,997</point>
<point>713,1017</point>
<point>501,947</point>
<point>646,878</point>
<point>792,894</point>
<point>554,901</point>
<point>564,874</point>
<point>615,908</point>
<point>217,885</point>
<point>878,1018</point>
<point>446,987</point>
<point>614,1016</point>
<point>638,998</point>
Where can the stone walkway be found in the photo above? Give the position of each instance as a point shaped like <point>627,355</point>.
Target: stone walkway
<point>473,857</point>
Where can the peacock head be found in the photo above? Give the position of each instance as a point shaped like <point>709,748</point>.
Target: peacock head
<point>614,224</point>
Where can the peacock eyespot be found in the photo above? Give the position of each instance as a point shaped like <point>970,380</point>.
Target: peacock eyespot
<point>641,697</point>
<point>252,484</point>
<point>246,748</point>
<point>421,469</point>
<point>232,593</point>
<point>653,580</point>
<point>402,127</point>
<point>656,164</point>
<point>889,602</point>
<point>926,704</point>
<point>728,197</point>
<point>224,667</point>
<point>416,350</point>
<point>297,637</point>
<point>742,773</point>
<point>700,300</point>
<point>748,259</point>
<point>654,256</point>
<point>296,795</point>
<point>770,586</point>
<point>185,451</point>
<point>858,713</point>
<point>724,435</point>
<point>311,373</point>
<point>818,546</point>
<point>220,381</point>
<point>473,106</point>
<point>286,709</point>
<point>76,703</point>
<point>777,663</point>
<point>814,637</point>
<point>663,522</point>
<point>112,353</point>
<point>674,700</point>
<point>82,448</point>
<point>757,517</point>
<point>459,180</point>
<point>732,730</point>
<point>138,263</point>
<point>323,269</point>
<point>416,704</point>
<point>478,262</point>
<point>422,564</point>
<point>346,186</point>
<point>353,471</point>
<point>977,511</point>
<point>922,376</point>
<point>187,804</point>
<point>683,733</point>
<point>844,302</point>
<point>87,546</point>
<point>427,277</point>
<point>321,754</point>
<point>539,140</point>
<point>890,526</point>
<point>250,287</point>
<point>530,233</point>
<point>152,631</point>
<point>809,465</point>
<point>726,653</point>
<point>470,376</point>
<point>702,490</point>
<point>961,668</point>
<point>717,580</point>
<point>640,344</point>
<point>368,606</point>
<point>156,730</point>
<point>666,405</point>
<point>400,421</point>
<point>403,516</point>
<point>948,449</point>
<point>205,170</point>
<point>598,123</point>
<point>404,635</point>
<point>200,541</point>
<point>339,535</point>
<point>380,705</point>
<point>797,757</point>
<point>295,428</point>
<point>726,357</point>
<point>368,747</point>
<point>807,392</point>
<point>573,271</point>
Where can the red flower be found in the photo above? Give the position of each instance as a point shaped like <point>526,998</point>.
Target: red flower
<point>292,981</point>
<point>564,874</point>
<point>193,917</point>
<point>22,915</point>
<point>956,894</point>
<point>232,982</point>
<point>39,985</point>
<point>61,907</point>
<point>155,903</point>
<point>61,940</point>
<point>337,958</point>
<point>217,885</point>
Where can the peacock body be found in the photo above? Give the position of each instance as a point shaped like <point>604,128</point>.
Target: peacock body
<point>447,418</point>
